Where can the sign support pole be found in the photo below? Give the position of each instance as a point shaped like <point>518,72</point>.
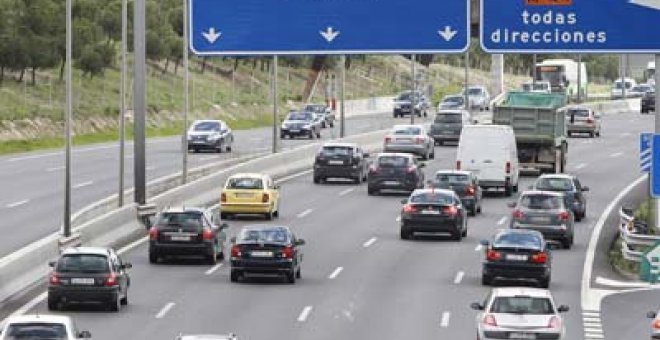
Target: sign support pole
<point>657,130</point>
<point>122,100</point>
<point>274,93</point>
<point>67,123</point>
<point>533,71</point>
<point>139,100</point>
<point>467,81</point>
<point>342,99</point>
<point>412,92</point>
<point>579,79</point>
<point>186,92</point>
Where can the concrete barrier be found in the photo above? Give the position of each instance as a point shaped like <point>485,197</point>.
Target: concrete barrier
<point>368,106</point>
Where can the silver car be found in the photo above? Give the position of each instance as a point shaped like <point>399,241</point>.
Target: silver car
<point>547,212</point>
<point>519,313</point>
<point>478,97</point>
<point>410,139</point>
<point>455,101</point>
<point>581,119</point>
<point>210,135</point>
<point>655,325</point>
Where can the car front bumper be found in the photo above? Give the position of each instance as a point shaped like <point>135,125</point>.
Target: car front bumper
<point>295,132</point>
<point>504,333</point>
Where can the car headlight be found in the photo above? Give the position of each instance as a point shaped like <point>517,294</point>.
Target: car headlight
<point>215,136</point>
<point>307,126</point>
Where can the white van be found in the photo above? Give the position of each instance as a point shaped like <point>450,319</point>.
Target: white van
<point>489,151</point>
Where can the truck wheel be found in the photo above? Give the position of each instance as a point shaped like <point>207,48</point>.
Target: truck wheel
<point>508,190</point>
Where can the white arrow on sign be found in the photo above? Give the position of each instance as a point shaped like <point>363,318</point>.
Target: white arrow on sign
<point>329,34</point>
<point>448,34</point>
<point>212,36</point>
<point>655,4</point>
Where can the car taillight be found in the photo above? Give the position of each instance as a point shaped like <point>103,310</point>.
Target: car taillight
<point>153,233</point>
<point>493,255</point>
<point>388,140</point>
<point>489,320</point>
<point>373,169</point>
<point>287,252</point>
<point>419,140</point>
<point>458,165</point>
<point>54,279</point>
<point>554,323</point>
<point>656,324</point>
<point>264,198</point>
<point>111,280</point>
<point>451,211</point>
<point>564,216</point>
<point>409,208</point>
<point>207,234</point>
<point>590,120</point>
<point>517,214</point>
<point>411,169</point>
<point>469,191</point>
<point>507,167</point>
<point>236,251</point>
<point>223,197</point>
<point>540,257</point>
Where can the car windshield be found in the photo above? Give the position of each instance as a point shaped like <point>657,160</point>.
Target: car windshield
<point>453,100</point>
<point>618,85</point>
<point>452,178</point>
<point>187,220</point>
<point>393,161</point>
<point>32,331</point>
<point>474,91</point>
<point>207,126</point>
<point>517,240</point>
<point>85,263</point>
<point>274,235</point>
<point>245,183</point>
<point>448,118</point>
<point>522,305</point>
<point>541,202</point>
<point>337,151</point>
<point>404,96</point>
<point>314,108</point>
<point>554,184</point>
<point>578,112</point>
<point>640,88</point>
<point>300,116</point>
<point>432,198</point>
<point>407,130</point>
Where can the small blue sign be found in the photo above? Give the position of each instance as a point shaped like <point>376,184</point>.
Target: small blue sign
<point>645,156</point>
<point>655,167</point>
<point>552,26</point>
<point>284,27</point>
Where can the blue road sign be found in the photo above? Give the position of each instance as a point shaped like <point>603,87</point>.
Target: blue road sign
<point>655,167</point>
<point>281,27</point>
<point>645,143</point>
<point>551,26</point>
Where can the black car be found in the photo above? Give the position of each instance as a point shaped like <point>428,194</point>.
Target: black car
<point>433,211</point>
<point>300,124</point>
<point>88,274</point>
<point>184,232</point>
<point>324,111</point>
<point>464,183</point>
<point>517,255</point>
<point>341,160</point>
<point>403,104</point>
<point>448,124</point>
<point>395,171</point>
<point>648,102</point>
<point>265,249</point>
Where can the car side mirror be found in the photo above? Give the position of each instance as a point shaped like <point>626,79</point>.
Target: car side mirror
<point>366,155</point>
<point>85,335</point>
<point>511,204</point>
<point>233,239</point>
<point>224,226</point>
<point>585,188</point>
<point>476,306</point>
<point>422,165</point>
<point>127,265</point>
<point>300,242</point>
<point>52,263</point>
<point>484,243</point>
<point>651,315</point>
<point>562,309</point>
<point>475,121</point>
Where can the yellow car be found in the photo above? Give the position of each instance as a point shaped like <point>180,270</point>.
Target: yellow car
<point>250,194</point>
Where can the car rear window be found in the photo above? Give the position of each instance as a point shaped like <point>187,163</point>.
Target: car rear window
<point>554,184</point>
<point>475,91</point>
<point>448,118</point>
<point>452,178</point>
<point>453,100</point>
<point>86,263</point>
<point>542,202</point>
<point>263,235</point>
<point>337,151</point>
<point>410,130</point>
<point>522,305</point>
<point>578,113</point>
<point>393,161</point>
<point>187,220</point>
<point>48,331</point>
<point>245,183</point>
<point>207,126</point>
<point>517,240</point>
<point>315,108</point>
<point>432,198</point>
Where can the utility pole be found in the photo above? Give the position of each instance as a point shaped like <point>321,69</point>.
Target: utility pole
<point>275,104</point>
<point>139,100</point>
<point>186,93</point>
<point>122,100</point>
<point>657,130</point>
<point>342,99</point>
<point>467,80</point>
<point>67,123</point>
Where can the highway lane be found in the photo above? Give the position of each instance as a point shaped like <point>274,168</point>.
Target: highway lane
<point>624,315</point>
<point>386,288</point>
<point>32,183</point>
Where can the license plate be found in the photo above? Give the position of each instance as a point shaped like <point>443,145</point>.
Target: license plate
<point>336,162</point>
<point>180,238</point>
<point>198,142</point>
<point>526,336</point>
<point>294,131</point>
<point>262,254</point>
<point>448,132</point>
<point>430,212</point>
<point>540,219</point>
<point>391,183</point>
<point>515,257</point>
<point>243,195</point>
<point>82,281</point>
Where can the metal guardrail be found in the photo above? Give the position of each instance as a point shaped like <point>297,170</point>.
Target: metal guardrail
<point>633,245</point>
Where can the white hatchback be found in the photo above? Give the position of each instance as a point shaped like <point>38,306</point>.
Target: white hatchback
<point>42,327</point>
<point>519,313</point>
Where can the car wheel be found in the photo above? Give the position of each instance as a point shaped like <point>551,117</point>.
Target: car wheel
<point>53,304</point>
<point>124,300</point>
<point>405,234</point>
<point>598,133</point>
<point>465,230</point>
<point>299,273</point>
<point>317,180</point>
<point>323,125</point>
<point>569,134</point>
<point>567,243</point>
<point>544,283</point>
<point>578,217</point>
<point>515,188</point>
<point>591,135</point>
<point>486,280</point>
<point>234,275</point>
<point>432,156</point>
<point>268,216</point>
<point>228,148</point>
<point>282,136</point>
<point>219,148</point>
<point>507,190</point>
<point>212,258</point>
<point>311,135</point>
<point>318,135</point>
<point>153,258</point>
<point>115,304</point>
<point>291,277</point>
<point>224,216</point>
<point>457,235</point>
<point>372,192</point>
<point>473,211</point>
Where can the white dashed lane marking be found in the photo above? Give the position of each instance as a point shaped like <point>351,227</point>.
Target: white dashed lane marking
<point>335,273</point>
<point>305,314</point>
<point>165,310</point>
<point>16,204</point>
<point>305,213</point>
<point>370,242</point>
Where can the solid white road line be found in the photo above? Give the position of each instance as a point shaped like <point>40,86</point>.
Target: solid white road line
<point>616,154</point>
<point>502,220</point>
<point>444,321</point>
<point>369,242</point>
<point>16,204</point>
<point>83,184</point>
<point>305,213</point>
<point>56,168</point>
<point>479,247</point>
<point>622,284</point>
<point>335,273</point>
<point>459,277</point>
<point>213,269</point>
<point>305,314</point>
<point>208,158</point>
<point>347,191</point>
<point>165,310</point>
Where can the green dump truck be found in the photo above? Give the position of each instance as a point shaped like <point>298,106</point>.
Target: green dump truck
<point>539,124</point>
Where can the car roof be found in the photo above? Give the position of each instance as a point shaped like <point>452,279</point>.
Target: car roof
<point>48,318</point>
<point>453,96</point>
<point>399,126</point>
<point>338,144</point>
<point>87,250</point>
<point>248,175</point>
<point>457,172</point>
<point>207,121</point>
<point>516,291</point>
<point>183,209</point>
<point>562,176</point>
<point>578,107</point>
<point>398,154</point>
<point>519,231</point>
<point>541,192</point>
<point>433,190</point>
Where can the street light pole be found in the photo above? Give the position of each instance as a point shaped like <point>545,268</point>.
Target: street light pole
<point>657,129</point>
<point>467,80</point>
<point>139,100</point>
<point>122,100</point>
<point>342,99</point>
<point>67,123</point>
<point>275,103</point>
<point>186,89</point>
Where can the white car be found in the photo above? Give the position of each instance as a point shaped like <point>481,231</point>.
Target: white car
<point>618,85</point>
<point>57,327</point>
<point>539,86</point>
<point>478,97</point>
<point>519,313</point>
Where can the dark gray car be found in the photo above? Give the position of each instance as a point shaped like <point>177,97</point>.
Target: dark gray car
<point>464,183</point>
<point>300,124</point>
<point>570,186</point>
<point>547,212</point>
<point>324,111</point>
<point>448,124</point>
